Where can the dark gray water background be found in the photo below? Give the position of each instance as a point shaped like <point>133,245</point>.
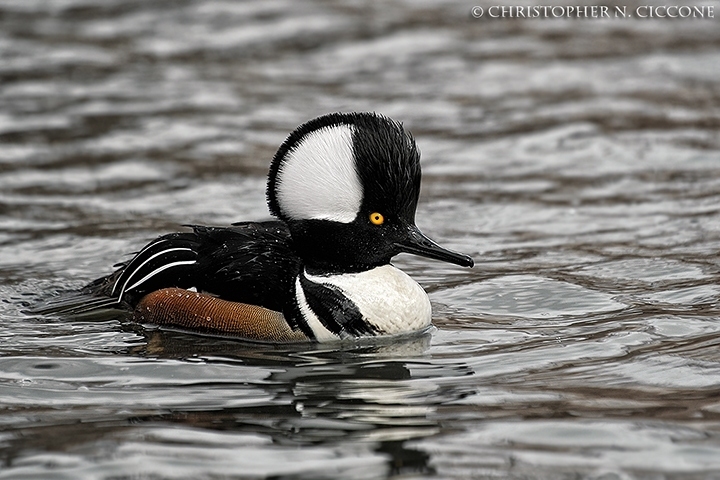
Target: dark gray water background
<point>577,160</point>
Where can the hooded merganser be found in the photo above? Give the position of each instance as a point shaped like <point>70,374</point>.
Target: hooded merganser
<point>344,188</point>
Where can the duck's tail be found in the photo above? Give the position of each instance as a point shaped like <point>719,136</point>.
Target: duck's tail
<point>168,261</point>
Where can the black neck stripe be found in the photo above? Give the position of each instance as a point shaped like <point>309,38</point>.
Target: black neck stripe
<point>336,312</point>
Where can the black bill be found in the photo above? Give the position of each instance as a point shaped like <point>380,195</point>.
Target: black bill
<point>417,243</point>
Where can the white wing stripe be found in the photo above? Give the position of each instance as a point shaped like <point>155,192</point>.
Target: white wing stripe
<point>123,289</point>
<point>153,244</point>
<point>156,271</point>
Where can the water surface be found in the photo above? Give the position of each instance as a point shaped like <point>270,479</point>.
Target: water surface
<point>578,162</point>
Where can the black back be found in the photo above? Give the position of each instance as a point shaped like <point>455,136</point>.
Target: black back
<point>250,262</point>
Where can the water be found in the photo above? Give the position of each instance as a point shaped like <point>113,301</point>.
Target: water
<point>578,161</point>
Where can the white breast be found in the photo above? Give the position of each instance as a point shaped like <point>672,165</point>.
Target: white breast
<point>387,298</point>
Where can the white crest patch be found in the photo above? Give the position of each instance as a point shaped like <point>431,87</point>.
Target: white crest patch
<point>318,179</point>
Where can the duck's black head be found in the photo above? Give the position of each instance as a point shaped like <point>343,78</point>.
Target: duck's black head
<point>347,185</point>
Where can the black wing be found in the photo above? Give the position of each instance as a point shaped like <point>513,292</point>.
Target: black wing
<point>249,262</point>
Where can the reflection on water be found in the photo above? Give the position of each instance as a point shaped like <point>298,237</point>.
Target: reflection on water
<point>576,160</point>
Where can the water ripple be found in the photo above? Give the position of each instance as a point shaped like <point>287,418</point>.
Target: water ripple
<point>575,159</point>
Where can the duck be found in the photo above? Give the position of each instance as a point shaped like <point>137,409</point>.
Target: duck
<point>343,189</point>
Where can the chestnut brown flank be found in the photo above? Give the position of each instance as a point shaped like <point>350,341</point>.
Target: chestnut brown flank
<point>186,309</point>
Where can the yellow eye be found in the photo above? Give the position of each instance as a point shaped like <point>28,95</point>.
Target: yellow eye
<point>377,218</point>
